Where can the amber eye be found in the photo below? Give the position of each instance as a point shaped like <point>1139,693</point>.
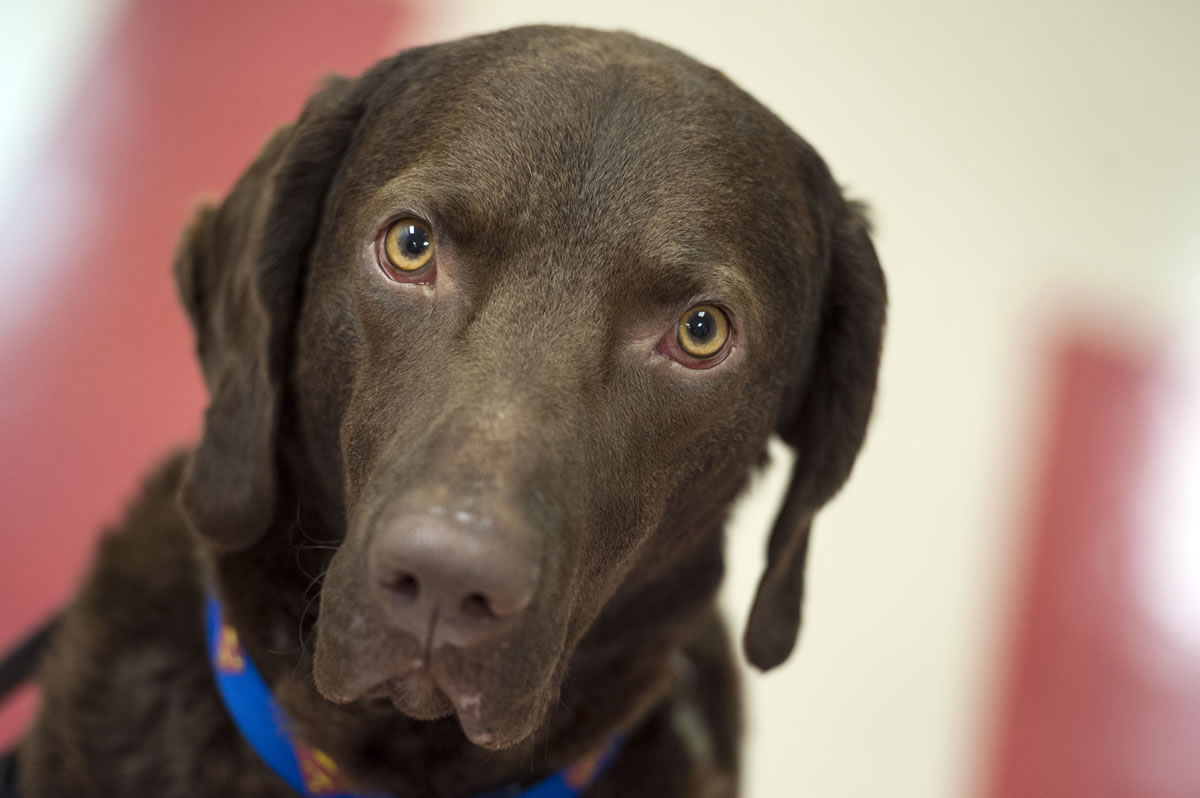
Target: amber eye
<point>703,331</point>
<point>408,245</point>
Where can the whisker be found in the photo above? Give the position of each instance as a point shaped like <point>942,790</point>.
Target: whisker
<point>307,606</point>
<point>309,537</point>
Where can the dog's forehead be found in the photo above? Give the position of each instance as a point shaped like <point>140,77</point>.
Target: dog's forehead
<point>658,168</point>
<point>565,124</point>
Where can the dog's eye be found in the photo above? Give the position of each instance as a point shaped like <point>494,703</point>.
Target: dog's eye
<point>703,332</point>
<point>408,245</point>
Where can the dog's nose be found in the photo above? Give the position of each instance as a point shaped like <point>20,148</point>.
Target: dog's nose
<point>445,581</point>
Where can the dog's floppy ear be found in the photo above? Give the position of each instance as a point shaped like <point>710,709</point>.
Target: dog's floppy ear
<point>824,420</point>
<point>238,270</point>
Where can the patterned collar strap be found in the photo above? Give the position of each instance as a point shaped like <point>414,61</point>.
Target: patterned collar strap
<point>312,773</point>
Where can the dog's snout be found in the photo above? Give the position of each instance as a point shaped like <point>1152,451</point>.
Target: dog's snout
<point>450,582</point>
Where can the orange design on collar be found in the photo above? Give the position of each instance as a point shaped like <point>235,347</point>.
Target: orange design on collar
<point>580,775</point>
<point>320,772</point>
<point>230,657</point>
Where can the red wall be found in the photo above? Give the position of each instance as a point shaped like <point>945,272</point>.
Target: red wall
<point>98,376</point>
<point>1102,698</point>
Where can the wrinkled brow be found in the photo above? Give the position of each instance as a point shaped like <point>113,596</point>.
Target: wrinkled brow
<point>679,250</point>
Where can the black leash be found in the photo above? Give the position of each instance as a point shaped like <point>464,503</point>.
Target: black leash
<point>15,669</point>
<point>19,663</point>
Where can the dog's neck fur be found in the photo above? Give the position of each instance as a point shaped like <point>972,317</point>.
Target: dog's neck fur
<point>622,667</point>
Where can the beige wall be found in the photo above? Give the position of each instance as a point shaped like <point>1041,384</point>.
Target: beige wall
<point>1023,160</point>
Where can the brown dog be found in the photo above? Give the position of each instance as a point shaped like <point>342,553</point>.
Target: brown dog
<point>494,334</point>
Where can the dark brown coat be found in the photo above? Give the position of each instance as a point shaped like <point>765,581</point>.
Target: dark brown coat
<point>525,398</point>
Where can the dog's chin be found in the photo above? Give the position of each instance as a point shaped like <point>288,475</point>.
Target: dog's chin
<point>498,702</point>
<point>415,694</point>
<point>418,695</point>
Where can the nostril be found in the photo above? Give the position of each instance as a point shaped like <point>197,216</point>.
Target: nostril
<point>477,606</point>
<point>404,586</point>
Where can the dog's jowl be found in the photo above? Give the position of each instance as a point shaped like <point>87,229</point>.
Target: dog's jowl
<point>493,335</point>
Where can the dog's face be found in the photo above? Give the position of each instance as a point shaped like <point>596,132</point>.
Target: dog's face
<point>535,302</point>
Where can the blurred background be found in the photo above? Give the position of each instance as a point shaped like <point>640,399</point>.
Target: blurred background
<point>1005,600</point>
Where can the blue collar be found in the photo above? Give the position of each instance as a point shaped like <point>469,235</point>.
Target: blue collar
<point>311,772</point>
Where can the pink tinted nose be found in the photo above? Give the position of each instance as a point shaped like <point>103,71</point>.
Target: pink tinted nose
<point>446,582</point>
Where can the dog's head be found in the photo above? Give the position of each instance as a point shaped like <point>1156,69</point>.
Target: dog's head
<point>528,306</point>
